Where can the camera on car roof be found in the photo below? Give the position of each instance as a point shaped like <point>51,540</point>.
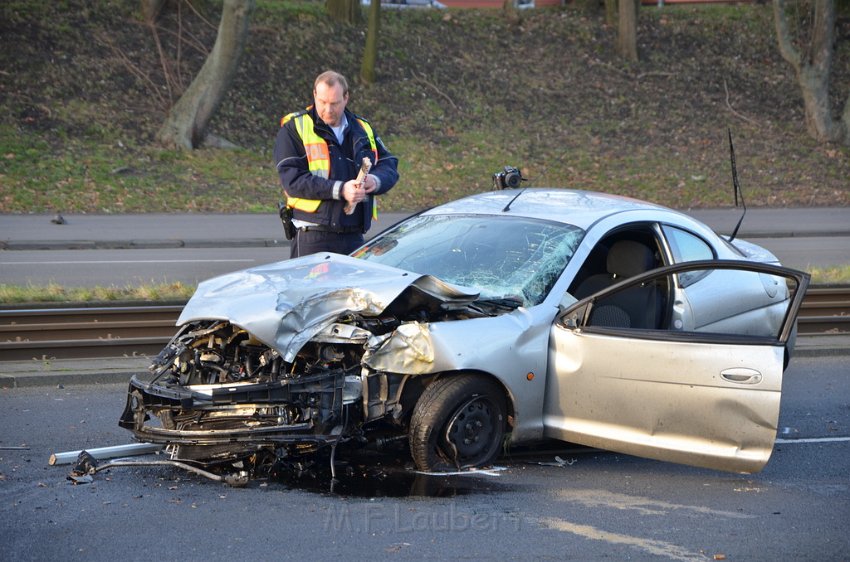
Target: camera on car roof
<point>509,178</point>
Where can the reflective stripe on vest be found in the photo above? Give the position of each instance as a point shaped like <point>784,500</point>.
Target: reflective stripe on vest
<point>318,155</point>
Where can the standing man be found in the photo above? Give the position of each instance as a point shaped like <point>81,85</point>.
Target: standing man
<point>319,152</point>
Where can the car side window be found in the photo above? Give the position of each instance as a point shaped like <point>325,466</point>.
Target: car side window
<point>758,309</point>
<point>685,246</point>
<point>622,253</point>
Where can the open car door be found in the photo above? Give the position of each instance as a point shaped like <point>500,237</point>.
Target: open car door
<point>658,366</point>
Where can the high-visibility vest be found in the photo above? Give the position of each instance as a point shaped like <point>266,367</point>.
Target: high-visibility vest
<point>318,155</point>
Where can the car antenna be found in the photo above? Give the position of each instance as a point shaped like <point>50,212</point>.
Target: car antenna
<point>508,206</point>
<point>736,187</point>
<point>509,178</point>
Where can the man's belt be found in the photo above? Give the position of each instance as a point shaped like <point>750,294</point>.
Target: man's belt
<point>325,228</point>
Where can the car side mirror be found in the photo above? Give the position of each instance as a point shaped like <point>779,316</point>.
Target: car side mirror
<point>571,317</point>
<point>571,322</point>
<point>567,300</point>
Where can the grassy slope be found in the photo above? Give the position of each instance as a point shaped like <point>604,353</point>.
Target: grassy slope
<point>460,94</point>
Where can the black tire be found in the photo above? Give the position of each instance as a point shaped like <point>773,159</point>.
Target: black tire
<point>458,422</point>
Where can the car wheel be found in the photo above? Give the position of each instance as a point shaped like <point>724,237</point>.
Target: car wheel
<point>458,422</point>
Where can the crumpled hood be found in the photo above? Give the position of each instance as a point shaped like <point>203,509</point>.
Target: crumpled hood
<point>285,304</point>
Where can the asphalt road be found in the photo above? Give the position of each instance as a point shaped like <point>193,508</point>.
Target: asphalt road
<point>596,506</point>
<point>88,268</point>
<point>120,268</point>
<point>125,250</point>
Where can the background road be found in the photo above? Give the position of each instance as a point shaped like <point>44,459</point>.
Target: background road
<point>601,506</point>
<point>131,249</point>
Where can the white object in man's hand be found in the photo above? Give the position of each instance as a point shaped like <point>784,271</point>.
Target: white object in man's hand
<point>356,192</point>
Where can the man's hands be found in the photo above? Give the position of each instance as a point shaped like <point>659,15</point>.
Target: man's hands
<point>354,192</point>
<point>370,184</point>
<point>359,187</point>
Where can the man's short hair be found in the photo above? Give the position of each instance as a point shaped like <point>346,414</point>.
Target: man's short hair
<point>332,78</point>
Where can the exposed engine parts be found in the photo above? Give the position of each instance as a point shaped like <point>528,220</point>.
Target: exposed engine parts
<point>216,352</point>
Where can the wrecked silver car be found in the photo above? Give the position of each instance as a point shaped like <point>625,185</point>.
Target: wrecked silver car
<point>499,319</point>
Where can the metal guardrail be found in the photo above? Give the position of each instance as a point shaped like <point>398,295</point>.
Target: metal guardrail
<point>825,310</point>
<point>119,331</point>
<point>86,332</point>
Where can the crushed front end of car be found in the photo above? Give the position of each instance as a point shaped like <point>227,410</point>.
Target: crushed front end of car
<point>219,394</point>
<point>283,359</point>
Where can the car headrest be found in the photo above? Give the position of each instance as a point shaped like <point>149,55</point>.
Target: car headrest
<point>628,258</point>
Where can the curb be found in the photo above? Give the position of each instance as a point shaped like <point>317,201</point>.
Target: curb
<point>822,352</point>
<point>822,345</point>
<point>33,373</point>
<point>30,245</point>
<point>154,244</point>
<point>66,379</point>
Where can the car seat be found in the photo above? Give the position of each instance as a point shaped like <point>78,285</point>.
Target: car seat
<point>635,307</point>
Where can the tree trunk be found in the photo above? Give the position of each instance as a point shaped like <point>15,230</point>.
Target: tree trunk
<point>812,68</point>
<point>627,30</point>
<point>845,120</point>
<point>610,12</point>
<point>346,11</point>
<point>511,12</point>
<point>151,9</point>
<point>186,124</point>
<point>590,7</point>
<point>370,53</point>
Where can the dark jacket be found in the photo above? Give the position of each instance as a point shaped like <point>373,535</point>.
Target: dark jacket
<point>298,181</point>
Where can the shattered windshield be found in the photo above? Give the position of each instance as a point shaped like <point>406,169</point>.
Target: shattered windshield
<point>502,257</point>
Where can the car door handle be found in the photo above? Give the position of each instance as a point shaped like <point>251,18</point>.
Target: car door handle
<point>741,375</point>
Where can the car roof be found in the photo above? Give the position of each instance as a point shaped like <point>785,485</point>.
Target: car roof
<point>568,206</point>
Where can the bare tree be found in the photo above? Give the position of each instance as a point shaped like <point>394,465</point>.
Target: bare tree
<point>810,52</point>
<point>347,11</point>
<point>151,9</point>
<point>627,29</point>
<point>511,12</point>
<point>370,53</point>
<point>610,12</point>
<point>186,124</point>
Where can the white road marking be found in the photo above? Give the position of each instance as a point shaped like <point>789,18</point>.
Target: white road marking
<point>814,440</point>
<point>644,506</point>
<point>122,261</point>
<point>648,546</point>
